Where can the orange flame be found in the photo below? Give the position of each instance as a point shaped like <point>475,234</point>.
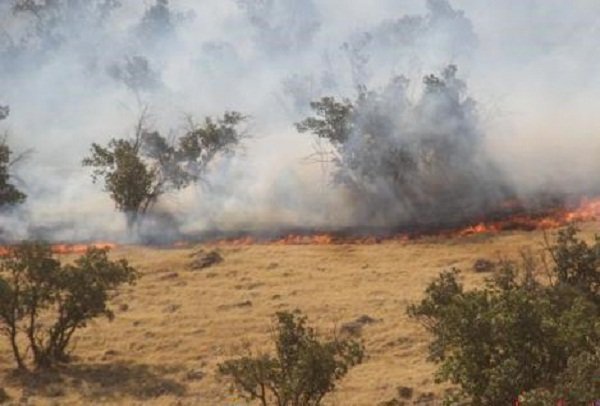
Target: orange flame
<point>65,249</point>
<point>587,210</point>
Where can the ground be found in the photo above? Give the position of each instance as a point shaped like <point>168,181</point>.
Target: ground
<point>176,324</point>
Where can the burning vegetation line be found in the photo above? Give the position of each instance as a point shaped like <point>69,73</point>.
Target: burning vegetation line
<point>69,248</point>
<point>516,219</point>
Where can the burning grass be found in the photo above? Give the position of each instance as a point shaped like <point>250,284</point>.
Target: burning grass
<point>512,216</point>
<point>66,249</point>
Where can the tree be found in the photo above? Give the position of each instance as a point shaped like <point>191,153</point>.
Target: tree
<point>518,336</point>
<point>403,155</point>
<point>136,172</point>
<point>53,21</point>
<point>48,302</point>
<point>136,74</point>
<point>303,370</point>
<point>4,110</point>
<point>158,22</point>
<point>9,194</point>
<point>282,26</point>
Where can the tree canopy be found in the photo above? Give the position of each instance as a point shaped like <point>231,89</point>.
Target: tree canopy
<point>137,171</point>
<point>9,193</point>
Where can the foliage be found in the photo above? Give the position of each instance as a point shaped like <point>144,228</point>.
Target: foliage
<point>518,335</point>
<point>281,26</point>
<point>47,301</point>
<point>577,384</point>
<point>9,194</point>
<point>576,263</point>
<point>136,73</point>
<point>303,370</point>
<point>4,110</point>
<point>158,21</point>
<point>332,121</point>
<point>136,172</point>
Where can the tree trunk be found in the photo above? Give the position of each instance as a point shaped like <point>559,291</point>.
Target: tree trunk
<point>132,220</point>
<point>15,349</point>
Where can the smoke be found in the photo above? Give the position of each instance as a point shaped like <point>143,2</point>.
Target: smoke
<point>412,160</point>
<point>76,72</point>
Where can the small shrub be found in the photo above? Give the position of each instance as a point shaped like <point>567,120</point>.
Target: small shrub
<point>204,259</point>
<point>303,370</point>
<point>483,265</point>
<point>405,392</point>
<point>47,302</point>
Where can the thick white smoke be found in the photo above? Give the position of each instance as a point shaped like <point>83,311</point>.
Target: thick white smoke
<point>82,73</point>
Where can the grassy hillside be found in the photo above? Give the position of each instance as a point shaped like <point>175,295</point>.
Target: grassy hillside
<point>176,324</point>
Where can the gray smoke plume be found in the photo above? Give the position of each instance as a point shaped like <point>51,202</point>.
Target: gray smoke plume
<point>408,161</point>
<point>75,72</point>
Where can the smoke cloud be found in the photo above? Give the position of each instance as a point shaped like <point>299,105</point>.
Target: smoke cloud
<point>77,72</point>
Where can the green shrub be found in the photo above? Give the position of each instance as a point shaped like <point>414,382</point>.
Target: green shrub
<point>47,302</point>
<point>578,384</point>
<point>303,370</point>
<point>519,335</point>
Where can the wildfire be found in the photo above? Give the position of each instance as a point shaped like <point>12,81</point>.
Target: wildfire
<point>586,210</point>
<point>515,218</point>
<point>65,249</point>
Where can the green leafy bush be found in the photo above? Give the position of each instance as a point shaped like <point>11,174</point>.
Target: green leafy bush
<point>303,370</point>
<point>46,302</point>
<point>519,335</point>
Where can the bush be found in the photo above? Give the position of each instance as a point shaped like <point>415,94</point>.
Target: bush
<point>47,302</point>
<point>303,370</point>
<point>577,384</point>
<point>518,335</point>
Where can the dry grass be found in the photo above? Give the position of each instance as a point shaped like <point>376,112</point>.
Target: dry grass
<point>177,324</point>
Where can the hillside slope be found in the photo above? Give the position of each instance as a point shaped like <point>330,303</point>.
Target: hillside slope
<point>176,324</point>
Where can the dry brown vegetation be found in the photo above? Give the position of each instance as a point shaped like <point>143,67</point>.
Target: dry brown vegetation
<point>178,323</point>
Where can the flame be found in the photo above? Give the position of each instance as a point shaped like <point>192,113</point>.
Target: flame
<point>65,249</point>
<point>587,210</point>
